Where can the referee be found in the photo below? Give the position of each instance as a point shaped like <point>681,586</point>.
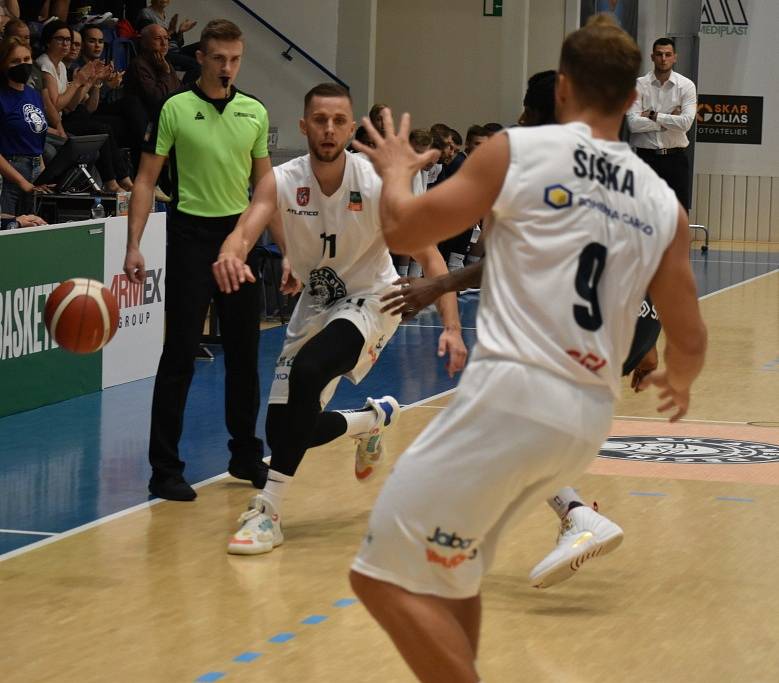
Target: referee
<point>214,138</point>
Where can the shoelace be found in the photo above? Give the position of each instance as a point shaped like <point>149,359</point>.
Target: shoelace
<point>251,513</point>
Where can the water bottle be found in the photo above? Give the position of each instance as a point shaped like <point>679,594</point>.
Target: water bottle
<point>98,210</point>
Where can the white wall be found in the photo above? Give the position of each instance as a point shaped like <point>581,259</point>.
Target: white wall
<point>546,34</point>
<point>312,24</point>
<point>442,60</point>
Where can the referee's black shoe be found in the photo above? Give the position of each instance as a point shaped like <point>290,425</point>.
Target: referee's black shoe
<point>171,488</point>
<point>249,468</point>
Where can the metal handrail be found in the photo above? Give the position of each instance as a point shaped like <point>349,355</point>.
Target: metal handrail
<point>290,44</point>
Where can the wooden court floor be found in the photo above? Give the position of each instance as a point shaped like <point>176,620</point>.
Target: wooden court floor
<point>691,595</point>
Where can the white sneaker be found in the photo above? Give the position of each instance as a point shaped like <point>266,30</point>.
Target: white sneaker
<point>260,530</point>
<point>583,534</point>
<point>370,450</point>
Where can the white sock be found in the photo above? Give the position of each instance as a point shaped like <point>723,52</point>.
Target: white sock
<point>562,499</point>
<point>472,259</point>
<point>358,421</point>
<point>275,488</point>
<point>414,269</point>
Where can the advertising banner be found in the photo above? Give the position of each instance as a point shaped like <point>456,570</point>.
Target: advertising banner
<point>730,118</point>
<point>135,349</point>
<point>34,371</point>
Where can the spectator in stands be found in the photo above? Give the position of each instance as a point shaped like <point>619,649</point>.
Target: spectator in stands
<point>9,9</point>
<point>457,142</point>
<point>66,97</point>
<point>11,221</point>
<point>22,126</point>
<point>71,59</point>
<point>539,99</point>
<point>361,135</point>
<point>375,117</point>
<point>181,56</point>
<point>34,10</point>
<point>492,128</point>
<point>150,75</point>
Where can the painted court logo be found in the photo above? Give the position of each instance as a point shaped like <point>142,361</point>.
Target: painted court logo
<point>688,451</point>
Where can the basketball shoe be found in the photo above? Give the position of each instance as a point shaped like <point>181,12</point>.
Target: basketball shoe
<point>584,534</point>
<point>370,449</point>
<point>260,530</point>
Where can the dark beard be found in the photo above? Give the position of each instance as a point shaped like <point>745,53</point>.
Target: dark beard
<point>336,155</point>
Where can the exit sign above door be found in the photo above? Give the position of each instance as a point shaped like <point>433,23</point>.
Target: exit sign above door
<point>493,8</point>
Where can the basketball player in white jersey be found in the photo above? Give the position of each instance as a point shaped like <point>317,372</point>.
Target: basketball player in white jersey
<point>328,203</point>
<point>580,229</point>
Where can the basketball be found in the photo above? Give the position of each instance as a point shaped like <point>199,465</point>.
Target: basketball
<point>82,315</point>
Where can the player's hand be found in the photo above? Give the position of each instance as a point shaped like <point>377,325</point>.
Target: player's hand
<point>231,272</point>
<point>676,111</point>
<point>393,151</point>
<point>671,397</point>
<point>412,296</point>
<point>134,265</point>
<point>186,25</point>
<point>290,283</point>
<point>451,342</point>
<point>647,364</point>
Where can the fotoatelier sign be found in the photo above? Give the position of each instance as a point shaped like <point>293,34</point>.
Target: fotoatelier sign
<point>729,118</point>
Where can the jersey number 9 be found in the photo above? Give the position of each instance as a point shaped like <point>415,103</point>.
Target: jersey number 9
<point>592,261</point>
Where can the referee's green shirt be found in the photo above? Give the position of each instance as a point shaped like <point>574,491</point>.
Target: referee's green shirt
<point>211,145</point>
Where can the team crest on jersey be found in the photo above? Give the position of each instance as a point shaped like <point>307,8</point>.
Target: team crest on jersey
<point>355,201</point>
<point>558,196</point>
<point>304,194</point>
<point>325,287</point>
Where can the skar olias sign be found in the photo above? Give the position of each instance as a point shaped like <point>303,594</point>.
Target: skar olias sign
<point>730,119</point>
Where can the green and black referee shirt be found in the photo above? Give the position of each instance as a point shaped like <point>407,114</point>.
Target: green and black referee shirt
<point>210,144</point>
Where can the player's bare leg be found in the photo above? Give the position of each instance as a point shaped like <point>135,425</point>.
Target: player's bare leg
<point>437,637</point>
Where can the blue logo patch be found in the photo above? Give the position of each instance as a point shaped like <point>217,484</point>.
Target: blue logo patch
<point>558,196</point>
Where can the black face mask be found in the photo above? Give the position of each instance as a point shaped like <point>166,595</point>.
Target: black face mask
<point>20,73</point>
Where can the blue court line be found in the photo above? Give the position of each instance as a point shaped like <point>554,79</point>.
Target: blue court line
<point>736,500</point>
<point>281,637</point>
<point>247,657</point>
<point>646,493</point>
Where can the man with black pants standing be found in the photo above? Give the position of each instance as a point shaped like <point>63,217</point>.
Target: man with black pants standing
<point>661,116</point>
<point>215,138</point>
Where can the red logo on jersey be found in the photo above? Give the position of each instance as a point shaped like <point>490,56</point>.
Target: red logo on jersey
<point>589,360</point>
<point>304,194</point>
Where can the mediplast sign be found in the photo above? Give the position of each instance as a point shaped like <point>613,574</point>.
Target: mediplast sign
<point>731,119</point>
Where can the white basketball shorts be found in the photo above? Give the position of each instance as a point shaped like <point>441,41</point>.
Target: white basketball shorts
<point>513,435</point>
<point>376,328</point>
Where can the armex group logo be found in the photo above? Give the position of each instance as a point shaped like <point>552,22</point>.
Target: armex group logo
<point>134,299</point>
<point>730,118</point>
<point>724,18</point>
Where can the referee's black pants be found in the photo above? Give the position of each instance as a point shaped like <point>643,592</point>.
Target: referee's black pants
<point>189,288</point>
<point>674,169</point>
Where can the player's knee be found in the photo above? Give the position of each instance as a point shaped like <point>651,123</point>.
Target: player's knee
<point>307,375</point>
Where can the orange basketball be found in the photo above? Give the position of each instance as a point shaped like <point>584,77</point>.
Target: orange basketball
<point>81,315</point>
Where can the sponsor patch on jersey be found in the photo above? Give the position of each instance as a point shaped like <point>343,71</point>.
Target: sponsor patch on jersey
<point>688,451</point>
<point>558,196</point>
<point>325,287</point>
<point>199,116</point>
<point>303,195</point>
<point>355,201</point>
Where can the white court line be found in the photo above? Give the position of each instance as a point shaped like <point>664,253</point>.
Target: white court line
<point>738,284</point>
<point>745,263</point>
<point>28,533</point>
<point>418,404</point>
<point>99,522</point>
<point>665,419</point>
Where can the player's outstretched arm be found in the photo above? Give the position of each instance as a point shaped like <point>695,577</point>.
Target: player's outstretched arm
<point>412,223</point>
<point>414,294</point>
<point>230,269</point>
<point>674,295</point>
<point>451,340</point>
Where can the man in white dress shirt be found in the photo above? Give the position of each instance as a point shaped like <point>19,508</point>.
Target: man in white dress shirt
<point>660,118</point>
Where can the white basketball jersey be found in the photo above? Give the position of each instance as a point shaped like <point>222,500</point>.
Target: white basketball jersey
<point>334,244</point>
<point>578,231</point>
